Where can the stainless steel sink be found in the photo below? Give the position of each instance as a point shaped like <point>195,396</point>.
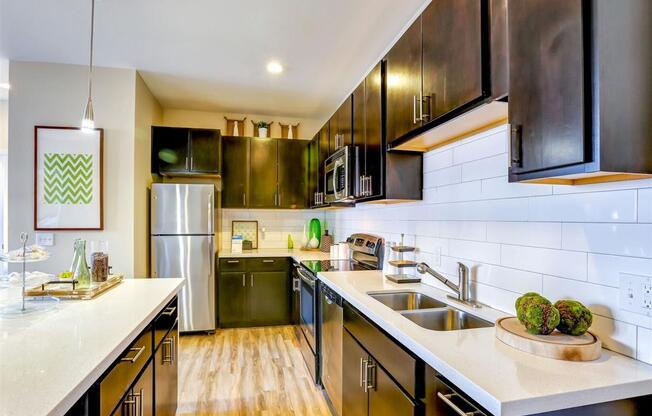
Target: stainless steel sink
<point>406,301</point>
<point>446,319</point>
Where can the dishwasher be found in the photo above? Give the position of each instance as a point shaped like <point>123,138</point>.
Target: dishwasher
<point>331,346</point>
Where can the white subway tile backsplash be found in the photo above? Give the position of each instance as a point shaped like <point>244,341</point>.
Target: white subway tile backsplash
<point>570,264</point>
<point>618,206</point>
<point>537,234</point>
<point>622,239</point>
<point>562,241</point>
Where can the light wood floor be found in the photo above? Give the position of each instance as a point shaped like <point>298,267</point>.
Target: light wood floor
<point>246,371</point>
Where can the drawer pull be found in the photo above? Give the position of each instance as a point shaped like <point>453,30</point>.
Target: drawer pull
<point>268,261</point>
<point>233,261</point>
<point>133,359</point>
<point>168,356</point>
<point>169,311</point>
<point>446,398</point>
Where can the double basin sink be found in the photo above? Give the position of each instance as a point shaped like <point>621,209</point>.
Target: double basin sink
<point>429,313</point>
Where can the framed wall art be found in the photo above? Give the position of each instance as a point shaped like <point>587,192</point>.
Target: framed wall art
<point>68,179</point>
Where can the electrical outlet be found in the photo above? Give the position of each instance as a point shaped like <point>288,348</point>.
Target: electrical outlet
<point>45,239</point>
<point>636,293</point>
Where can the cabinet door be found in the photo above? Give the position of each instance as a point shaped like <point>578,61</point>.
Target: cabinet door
<point>233,304</point>
<point>385,396</point>
<point>452,55</point>
<point>344,121</point>
<point>374,150</point>
<point>292,173</point>
<point>166,374</point>
<point>404,83</point>
<point>313,169</point>
<point>269,298</point>
<point>143,392</point>
<point>358,135</point>
<point>205,151</point>
<point>547,109</point>
<point>333,133</point>
<point>354,397</point>
<point>263,192</point>
<point>170,149</point>
<point>235,172</point>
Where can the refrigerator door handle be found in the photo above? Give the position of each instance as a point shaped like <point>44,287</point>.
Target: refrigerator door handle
<point>211,259</point>
<point>210,213</point>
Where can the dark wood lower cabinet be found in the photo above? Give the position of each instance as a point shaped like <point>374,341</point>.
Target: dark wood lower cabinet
<point>232,299</point>
<point>140,400</point>
<point>386,397</point>
<point>166,379</point>
<point>354,398</point>
<point>269,298</point>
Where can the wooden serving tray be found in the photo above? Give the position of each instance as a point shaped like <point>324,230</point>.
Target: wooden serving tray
<point>64,289</point>
<point>559,346</point>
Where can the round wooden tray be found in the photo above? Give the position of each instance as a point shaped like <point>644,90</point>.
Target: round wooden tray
<point>559,346</point>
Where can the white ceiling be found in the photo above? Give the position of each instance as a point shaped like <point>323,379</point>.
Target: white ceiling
<point>211,54</point>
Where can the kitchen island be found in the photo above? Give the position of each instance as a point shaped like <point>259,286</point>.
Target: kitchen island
<point>503,380</point>
<point>49,360</point>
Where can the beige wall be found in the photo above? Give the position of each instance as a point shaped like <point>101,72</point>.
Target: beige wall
<point>55,94</point>
<point>215,120</point>
<point>3,126</point>
<point>148,111</point>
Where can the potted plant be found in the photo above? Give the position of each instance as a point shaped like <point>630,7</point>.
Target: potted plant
<point>262,128</point>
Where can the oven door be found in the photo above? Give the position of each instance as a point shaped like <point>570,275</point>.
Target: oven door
<point>307,307</point>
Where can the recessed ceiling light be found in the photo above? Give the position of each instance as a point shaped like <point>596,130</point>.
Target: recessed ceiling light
<point>274,67</point>
<point>5,85</point>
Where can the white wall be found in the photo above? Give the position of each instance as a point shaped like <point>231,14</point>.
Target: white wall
<point>3,126</point>
<point>55,94</point>
<point>562,241</point>
<point>215,120</point>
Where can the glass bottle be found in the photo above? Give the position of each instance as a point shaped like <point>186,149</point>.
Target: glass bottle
<point>80,271</point>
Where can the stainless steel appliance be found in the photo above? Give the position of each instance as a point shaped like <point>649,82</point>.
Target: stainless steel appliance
<point>183,245</point>
<point>366,254</point>
<point>339,175</point>
<point>332,316</point>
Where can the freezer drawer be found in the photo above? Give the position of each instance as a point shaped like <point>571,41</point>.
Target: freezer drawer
<point>191,258</point>
<point>182,209</point>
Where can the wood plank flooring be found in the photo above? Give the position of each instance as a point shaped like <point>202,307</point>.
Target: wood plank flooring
<point>246,371</point>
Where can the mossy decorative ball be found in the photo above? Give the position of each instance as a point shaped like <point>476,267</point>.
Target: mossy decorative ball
<point>524,301</point>
<point>575,318</point>
<point>540,316</point>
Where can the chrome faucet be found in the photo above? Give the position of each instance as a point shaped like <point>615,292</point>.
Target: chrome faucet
<point>462,289</point>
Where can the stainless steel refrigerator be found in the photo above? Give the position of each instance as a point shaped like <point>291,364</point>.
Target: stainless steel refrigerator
<point>183,245</point>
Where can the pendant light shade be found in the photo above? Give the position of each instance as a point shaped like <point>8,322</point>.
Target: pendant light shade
<point>88,121</point>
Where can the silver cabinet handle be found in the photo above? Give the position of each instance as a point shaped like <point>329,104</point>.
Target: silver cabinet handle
<point>371,376</point>
<point>168,357</point>
<point>295,284</point>
<point>268,261</point>
<point>421,105</point>
<point>233,261</point>
<point>187,163</point>
<point>414,109</point>
<point>192,162</point>
<point>252,279</point>
<point>446,399</point>
<point>363,371</point>
<point>169,311</point>
<point>370,188</point>
<point>244,199</point>
<point>133,359</point>
<point>244,276</point>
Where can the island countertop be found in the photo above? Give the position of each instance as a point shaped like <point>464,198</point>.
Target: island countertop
<point>49,359</point>
<point>505,381</point>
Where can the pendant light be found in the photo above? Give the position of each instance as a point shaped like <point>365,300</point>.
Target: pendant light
<point>88,122</point>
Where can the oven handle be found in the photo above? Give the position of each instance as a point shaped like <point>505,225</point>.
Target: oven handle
<point>308,280</point>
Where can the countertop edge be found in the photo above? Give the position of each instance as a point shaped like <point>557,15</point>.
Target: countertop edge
<point>75,394</point>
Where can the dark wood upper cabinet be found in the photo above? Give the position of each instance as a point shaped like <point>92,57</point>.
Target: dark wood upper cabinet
<point>333,133</point>
<point>263,192</point>
<point>547,100</point>
<point>180,151</point>
<point>374,150</point>
<point>313,170</point>
<point>235,172</point>
<point>292,173</point>
<point>344,120</point>
<point>452,55</point>
<point>580,102</point>
<point>404,83</point>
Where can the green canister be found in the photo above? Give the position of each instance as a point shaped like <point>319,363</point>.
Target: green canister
<point>314,233</point>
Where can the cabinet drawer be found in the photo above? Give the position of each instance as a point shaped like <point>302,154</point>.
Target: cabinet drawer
<point>233,265</point>
<point>165,321</point>
<point>269,264</point>
<point>124,371</point>
<point>406,369</point>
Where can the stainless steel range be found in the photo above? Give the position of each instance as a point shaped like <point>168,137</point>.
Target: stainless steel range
<point>320,311</point>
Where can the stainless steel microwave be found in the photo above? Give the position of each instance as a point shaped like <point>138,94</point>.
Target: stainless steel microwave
<point>339,175</point>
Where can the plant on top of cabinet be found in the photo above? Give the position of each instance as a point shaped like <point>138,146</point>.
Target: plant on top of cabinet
<point>180,151</point>
<point>580,87</point>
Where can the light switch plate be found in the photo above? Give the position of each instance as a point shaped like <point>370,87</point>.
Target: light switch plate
<point>636,293</point>
<point>45,239</point>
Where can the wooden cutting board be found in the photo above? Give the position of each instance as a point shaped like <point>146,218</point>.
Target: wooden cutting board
<point>559,346</point>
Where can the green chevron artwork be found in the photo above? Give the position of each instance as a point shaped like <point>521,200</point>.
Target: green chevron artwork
<point>68,172</point>
<point>68,178</point>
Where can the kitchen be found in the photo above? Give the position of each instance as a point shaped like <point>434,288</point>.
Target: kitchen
<point>379,235</point>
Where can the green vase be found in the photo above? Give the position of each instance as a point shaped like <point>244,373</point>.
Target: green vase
<point>314,233</point>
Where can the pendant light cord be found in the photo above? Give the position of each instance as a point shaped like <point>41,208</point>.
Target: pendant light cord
<point>90,62</point>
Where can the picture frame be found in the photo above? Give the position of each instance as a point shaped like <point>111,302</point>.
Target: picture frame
<point>68,179</point>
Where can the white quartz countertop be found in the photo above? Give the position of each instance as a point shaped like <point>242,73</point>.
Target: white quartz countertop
<point>502,379</point>
<point>296,254</point>
<point>48,360</point>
